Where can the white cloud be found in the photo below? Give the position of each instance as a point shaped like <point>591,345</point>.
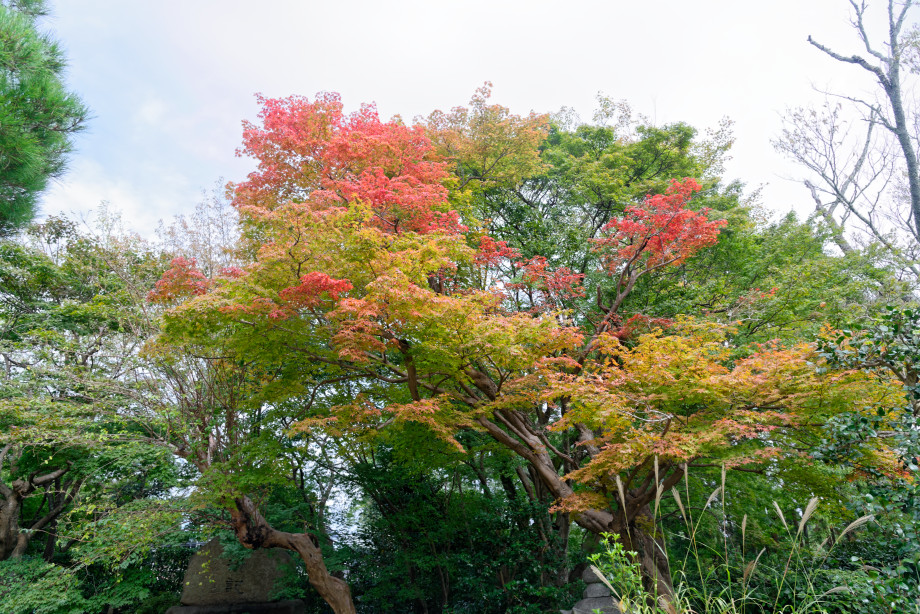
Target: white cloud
<point>169,94</point>
<point>152,111</point>
<point>87,185</point>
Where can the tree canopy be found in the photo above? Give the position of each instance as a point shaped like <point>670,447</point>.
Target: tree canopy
<point>452,364</point>
<point>377,299</point>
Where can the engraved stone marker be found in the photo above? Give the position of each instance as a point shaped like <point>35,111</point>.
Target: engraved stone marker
<point>211,585</point>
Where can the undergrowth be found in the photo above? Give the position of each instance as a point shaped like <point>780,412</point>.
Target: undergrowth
<point>728,576</point>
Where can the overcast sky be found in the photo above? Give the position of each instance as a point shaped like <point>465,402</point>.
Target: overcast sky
<point>169,81</point>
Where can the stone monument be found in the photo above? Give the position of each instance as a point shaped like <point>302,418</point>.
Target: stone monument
<point>212,586</point>
<point>595,597</point>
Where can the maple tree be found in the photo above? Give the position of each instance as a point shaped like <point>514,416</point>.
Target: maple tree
<point>364,275</point>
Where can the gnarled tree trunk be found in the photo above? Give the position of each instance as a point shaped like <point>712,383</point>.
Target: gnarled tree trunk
<point>633,531</point>
<point>253,531</point>
<point>13,540</point>
<point>10,506</point>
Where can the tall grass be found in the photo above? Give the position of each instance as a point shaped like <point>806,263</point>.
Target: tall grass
<point>729,577</point>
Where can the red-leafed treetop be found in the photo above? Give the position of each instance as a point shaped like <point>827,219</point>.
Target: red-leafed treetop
<point>181,280</point>
<point>313,154</point>
<point>658,233</point>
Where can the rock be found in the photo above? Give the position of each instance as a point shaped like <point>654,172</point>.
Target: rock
<point>295,606</point>
<point>596,590</point>
<point>209,580</point>
<point>589,577</point>
<point>596,596</point>
<point>604,604</point>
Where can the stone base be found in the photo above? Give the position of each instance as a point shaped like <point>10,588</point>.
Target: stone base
<point>589,606</point>
<point>294,606</point>
<point>596,597</point>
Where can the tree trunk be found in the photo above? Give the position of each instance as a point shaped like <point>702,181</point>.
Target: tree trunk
<point>565,526</point>
<point>652,562</point>
<point>13,541</point>
<point>253,531</point>
<point>649,549</point>
<point>9,523</point>
<point>50,542</point>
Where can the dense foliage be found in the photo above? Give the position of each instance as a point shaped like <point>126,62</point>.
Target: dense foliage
<point>450,365</point>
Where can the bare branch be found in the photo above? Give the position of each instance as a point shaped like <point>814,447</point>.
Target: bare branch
<point>860,9</point>
<point>853,59</point>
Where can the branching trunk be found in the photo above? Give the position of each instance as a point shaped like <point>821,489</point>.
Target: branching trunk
<point>13,540</point>
<point>253,531</point>
<point>65,496</point>
<point>637,531</point>
<point>826,214</point>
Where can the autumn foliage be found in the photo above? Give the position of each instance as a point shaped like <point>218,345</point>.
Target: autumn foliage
<point>365,273</point>
<point>313,155</point>
<point>359,241</point>
<point>181,280</point>
<point>660,232</point>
